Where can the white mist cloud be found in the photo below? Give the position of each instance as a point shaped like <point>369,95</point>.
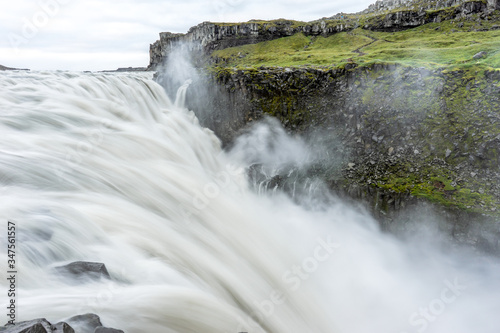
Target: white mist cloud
<point>96,35</point>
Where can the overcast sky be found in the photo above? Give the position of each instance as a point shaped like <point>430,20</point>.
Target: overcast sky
<point>107,34</point>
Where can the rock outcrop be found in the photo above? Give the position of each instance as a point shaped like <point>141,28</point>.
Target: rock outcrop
<point>394,5</point>
<point>37,326</point>
<point>87,323</point>
<point>409,18</point>
<point>207,36</point>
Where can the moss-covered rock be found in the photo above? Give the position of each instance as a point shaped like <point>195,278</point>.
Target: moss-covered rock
<point>433,134</point>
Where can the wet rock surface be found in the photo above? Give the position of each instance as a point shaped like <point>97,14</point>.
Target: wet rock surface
<point>86,323</point>
<point>37,326</point>
<point>84,269</point>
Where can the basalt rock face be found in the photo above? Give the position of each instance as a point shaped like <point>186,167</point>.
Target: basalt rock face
<point>410,18</point>
<point>403,135</point>
<point>388,122</point>
<point>381,113</point>
<point>391,5</point>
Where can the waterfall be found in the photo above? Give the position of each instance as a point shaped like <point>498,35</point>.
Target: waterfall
<point>104,167</point>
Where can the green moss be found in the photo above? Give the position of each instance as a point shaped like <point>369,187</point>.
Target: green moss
<point>440,190</point>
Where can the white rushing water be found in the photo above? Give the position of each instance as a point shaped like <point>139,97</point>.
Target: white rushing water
<point>105,168</point>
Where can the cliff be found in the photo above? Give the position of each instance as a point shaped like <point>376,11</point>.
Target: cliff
<point>407,99</point>
<point>418,6</point>
<point>430,133</point>
<point>392,15</point>
<point>208,37</point>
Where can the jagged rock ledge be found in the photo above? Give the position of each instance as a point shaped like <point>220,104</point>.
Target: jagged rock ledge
<point>391,5</point>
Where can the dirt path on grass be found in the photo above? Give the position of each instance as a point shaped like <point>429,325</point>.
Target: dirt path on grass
<point>358,50</point>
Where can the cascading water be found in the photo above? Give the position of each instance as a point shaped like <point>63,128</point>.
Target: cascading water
<point>105,168</point>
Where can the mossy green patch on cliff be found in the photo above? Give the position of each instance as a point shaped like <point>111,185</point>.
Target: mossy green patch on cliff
<point>296,50</point>
<point>445,126</point>
<point>443,190</point>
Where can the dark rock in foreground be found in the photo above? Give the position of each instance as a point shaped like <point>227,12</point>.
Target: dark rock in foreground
<point>63,327</point>
<point>40,325</point>
<point>90,323</point>
<point>86,323</point>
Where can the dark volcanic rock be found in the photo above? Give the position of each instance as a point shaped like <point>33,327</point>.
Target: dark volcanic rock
<point>63,327</point>
<point>409,18</point>
<point>85,269</point>
<point>32,326</point>
<point>86,323</point>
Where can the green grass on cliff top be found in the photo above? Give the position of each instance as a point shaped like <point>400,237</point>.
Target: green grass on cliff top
<point>445,44</point>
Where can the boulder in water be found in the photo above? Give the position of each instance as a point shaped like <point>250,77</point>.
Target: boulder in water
<point>85,269</point>
<point>86,323</point>
<point>63,327</point>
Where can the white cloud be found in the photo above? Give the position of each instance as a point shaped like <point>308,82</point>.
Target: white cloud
<point>103,34</point>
